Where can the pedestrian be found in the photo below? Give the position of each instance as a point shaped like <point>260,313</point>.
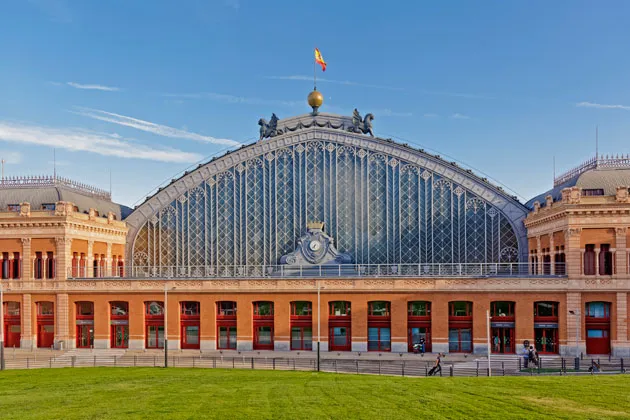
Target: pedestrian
<point>525,355</point>
<point>438,366</point>
<point>422,342</point>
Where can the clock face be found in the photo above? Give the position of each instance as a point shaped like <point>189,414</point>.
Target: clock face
<point>315,245</point>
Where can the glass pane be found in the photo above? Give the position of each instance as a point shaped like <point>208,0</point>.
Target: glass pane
<point>14,328</point>
<point>595,334</point>
<point>302,308</point>
<point>233,338</point>
<point>419,308</point>
<point>379,308</point>
<point>119,309</point>
<point>223,337</point>
<point>296,338</point>
<point>340,336</point>
<point>308,338</point>
<point>597,309</point>
<point>227,308</point>
<point>466,339</point>
<point>372,338</point>
<point>155,308</point>
<point>545,309</point>
<point>160,339</point>
<point>49,329</point>
<point>453,339</point>
<point>152,337</point>
<point>190,308</point>
<point>461,309</point>
<point>46,308</point>
<point>264,308</point>
<point>13,308</point>
<point>339,308</point>
<point>264,335</point>
<point>385,339</point>
<point>192,335</point>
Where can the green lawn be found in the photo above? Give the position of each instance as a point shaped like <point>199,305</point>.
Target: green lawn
<point>110,393</point>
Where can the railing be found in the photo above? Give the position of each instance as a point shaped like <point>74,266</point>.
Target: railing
<point>310,271</point>
<point>414,368</point>
<point>52,181</point>
<point>605,162</point>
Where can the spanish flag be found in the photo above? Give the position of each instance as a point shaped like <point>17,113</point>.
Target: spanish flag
<point>319,59</point>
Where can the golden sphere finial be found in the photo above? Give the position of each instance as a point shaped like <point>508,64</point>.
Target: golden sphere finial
<point>315,100</point>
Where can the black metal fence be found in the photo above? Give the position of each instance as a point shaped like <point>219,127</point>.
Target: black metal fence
<point>510,367</point>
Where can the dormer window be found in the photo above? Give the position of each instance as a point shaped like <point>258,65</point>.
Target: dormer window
<point>13,207</point>
<point>48,206</point>
<point>589,192</point>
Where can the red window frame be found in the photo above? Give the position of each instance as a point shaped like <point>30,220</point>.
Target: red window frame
<point>372,311</point>
<point>226,318</point>
<point>44,320</point>
<point>303,343</point>
<point>345,306</point>
<point>452,314</point>
<point>190,317</point>
<point>257,309</point>
<point>11,339</point>
<point>331,341</point>
<point>592,318</point>
<point>263,319</point>
<point>380,345</point>
<point>418,321</point>
<point>85,324</point>
<point>494,311</point>
<point>301,315</point>
<point>153,320</point>
<point>546,318</point>
<point>119,321</point>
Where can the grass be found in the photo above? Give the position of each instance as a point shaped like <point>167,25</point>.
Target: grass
<point>125,393</point>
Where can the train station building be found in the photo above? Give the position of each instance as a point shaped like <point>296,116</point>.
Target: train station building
<point>321,226</point>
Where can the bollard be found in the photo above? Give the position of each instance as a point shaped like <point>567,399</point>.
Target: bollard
<point>94,361</point>
<point>477,367</point>
<point>577,364</point>
<point>27,363</point>
<point>622,369</point>
<point>379,367</point>
<point>134,360</point>
<point>503,367</point>
<point>50,362</point>
<point>357,365</point>
<point>274,363</point>
<point>451,370</point>
<point>194,362</point>
<point>153,361</point>
<point>232,363</point>
<point>403,368</point>
<point>252,363</point>
<point>72,358</point>
<point>335,362</point>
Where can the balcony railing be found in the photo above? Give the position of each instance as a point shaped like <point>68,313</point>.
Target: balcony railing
<point>52,181</point>
<point>606,162</point>
<point>310,271</point>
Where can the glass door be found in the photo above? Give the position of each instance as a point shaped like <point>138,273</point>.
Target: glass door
<point>120,336</point>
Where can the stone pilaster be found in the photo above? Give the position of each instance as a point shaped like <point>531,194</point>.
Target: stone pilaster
<point>64,257</point>
<point>107,272</point>
<point>539,255</point>
<point>620,344</point>
<point>574,264</point>
<point>27,265</point>
<point>552,255</point>
<point>28,338</point>
<point>574,304</point>
<point>597,251</point>
<point>621,252</point>
<point>90,259</point>
<point>62,337</point>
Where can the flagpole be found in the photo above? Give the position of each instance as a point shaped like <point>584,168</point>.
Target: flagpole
<point>314,74</point>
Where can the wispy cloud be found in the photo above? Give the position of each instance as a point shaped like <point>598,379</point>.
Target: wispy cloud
<point>602,106</point>
<point>11,157</point>
<point>233,99</point>
<point>93,87</point>
<point>389,113</point>
<point>149,127</point>
<point>430,115</point>
<point>79,140</point>
<point>458,116</point>
<point>338,82</point>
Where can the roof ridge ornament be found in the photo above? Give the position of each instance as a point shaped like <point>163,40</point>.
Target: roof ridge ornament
<point>269,129</point>
<point>361,125</point>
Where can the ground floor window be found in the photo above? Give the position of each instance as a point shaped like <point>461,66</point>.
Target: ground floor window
<point>416,336</point>
<point>339,339</point>
<point>263,338</point>
<point>502,340</point>
<point>45,335</point>
<point>460,340</point>
<point>12,334</point>
<point>155,336</point>
<point>120,336</point>
<point>379,339</point>
<point>190,336</point>
<point>546,340</point>
<point>227,338</point>
<point>85,336</point>
<point>301,338</point>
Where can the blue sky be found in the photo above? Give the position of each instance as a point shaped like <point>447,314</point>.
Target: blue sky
<point>145,89</point>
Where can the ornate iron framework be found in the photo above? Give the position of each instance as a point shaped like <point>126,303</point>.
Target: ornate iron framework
<point>380,208</point>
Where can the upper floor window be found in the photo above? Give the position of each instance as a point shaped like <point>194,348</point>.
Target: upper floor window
<point>263,308</point>
<point>226,308</point>
<point>419,308</point>
<point>592,191</point>
<point>13,207</point>
<point>120,308</point>
<point>154,308</point>
<point>45,308</point>
<point>85,309</point>
<point>502,309</point>
<point>12,308</point>
<point>460,308</point>
<point>598,309</point>
<point>339,308</point>
<point>378,308</point>
<point>48,206</point>
<point>301,309</point>
<point>190,308</point>
<point>545,309</point>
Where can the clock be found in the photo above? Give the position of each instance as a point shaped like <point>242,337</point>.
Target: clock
<point>315,245</point>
